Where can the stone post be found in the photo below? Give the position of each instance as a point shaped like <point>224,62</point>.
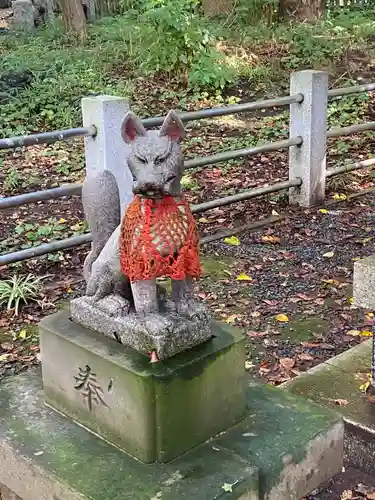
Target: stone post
<point>364,296</point>
<point>90,10</point>
<point>23,15</point>
<point>308,120</point>
<point>107,150</point>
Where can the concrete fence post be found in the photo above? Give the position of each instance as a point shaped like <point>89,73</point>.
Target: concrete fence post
<point>308,120</point>
<point>107,150</point>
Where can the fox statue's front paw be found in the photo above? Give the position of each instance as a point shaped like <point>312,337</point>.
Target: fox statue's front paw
<point>191,308</point>
<point>114,305</point>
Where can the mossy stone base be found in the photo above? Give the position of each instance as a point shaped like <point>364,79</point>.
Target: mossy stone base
<point>284,448</point>
<point>154,411</point>
<point>341,378</point>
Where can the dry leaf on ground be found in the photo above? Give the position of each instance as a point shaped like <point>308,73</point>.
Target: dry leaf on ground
<point>283,318</point>
<point>287,363</point>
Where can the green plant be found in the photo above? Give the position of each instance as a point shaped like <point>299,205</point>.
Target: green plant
<point>35,233</point>
<point>171,36</point>
<point>12,181</point>
<point>18,290</point>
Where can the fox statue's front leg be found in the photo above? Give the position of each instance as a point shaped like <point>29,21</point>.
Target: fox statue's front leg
<point>145,296</point>
<point>183,298</point>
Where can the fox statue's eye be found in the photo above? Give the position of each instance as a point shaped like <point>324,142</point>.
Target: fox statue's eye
<point>141,159</point>
<point>158,161</point>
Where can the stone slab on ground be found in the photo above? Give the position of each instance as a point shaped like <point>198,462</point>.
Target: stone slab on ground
<point>340,378</point>
<point>154,411</point>
<point>288,445</point>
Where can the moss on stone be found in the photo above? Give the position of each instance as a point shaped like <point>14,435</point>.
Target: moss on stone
<point>217,268</point>
<point>302,328</point>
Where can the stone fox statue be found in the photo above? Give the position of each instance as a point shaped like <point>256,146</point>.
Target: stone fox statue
<point>158,225</point>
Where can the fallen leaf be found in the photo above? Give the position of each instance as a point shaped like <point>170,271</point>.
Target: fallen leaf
<point>371,399</point>
<point>229,487</point>
<point>331,282</point>
<point>364,490</point>
<point>366,240</point>
<point>270,303</point>
<point>274,212</point>
<point>371,496</point>
<point>61,221</point>
<point>304,356</point>
<point>317,345</point>
<point>248,365</point>
<point>370,315</point>
<point>358,333</point>
<point>329,254</point>
<point>365,333</point>
<point>339,196</point>
<point>287,363</point>
<point>271,239</point>
<point>346,495</point>
<point>341,402</point>
<point>6,346</point>
<point>364,387</point>
<point>231,319</point>
<point>244,277</point>
<point>303,296</point>
<point>22,334</point>
<point>233,240</point>
<point>283,318</point>
<point>4,357</point>
<point>253,334</point>
<point>353,333</point>
<point>203,220</point>
<point>323,211</point>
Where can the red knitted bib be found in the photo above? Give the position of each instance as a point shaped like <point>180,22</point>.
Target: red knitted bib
<point>159,238</point>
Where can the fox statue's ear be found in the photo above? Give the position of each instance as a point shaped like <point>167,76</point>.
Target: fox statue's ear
<point>131,128</point>
<point>173,127</point>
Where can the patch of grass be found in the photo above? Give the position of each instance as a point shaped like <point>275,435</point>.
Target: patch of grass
<point>32,234</point>
<point>18,290</point>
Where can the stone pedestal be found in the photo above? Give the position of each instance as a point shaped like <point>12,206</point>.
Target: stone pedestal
<point>154,411</point>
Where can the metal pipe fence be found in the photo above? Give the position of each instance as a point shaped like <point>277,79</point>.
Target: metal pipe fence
<point>47,137</point>
<point>308,102</point>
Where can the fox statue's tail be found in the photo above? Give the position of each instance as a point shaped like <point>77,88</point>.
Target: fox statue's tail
<point>101,201</point>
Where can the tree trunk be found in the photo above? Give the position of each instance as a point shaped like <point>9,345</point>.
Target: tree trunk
<point>217,7</point>
<point>302,10</point>
<point>74,18</point>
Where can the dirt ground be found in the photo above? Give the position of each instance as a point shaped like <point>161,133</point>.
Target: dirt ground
<point>5,15</point>
<point>351,484</point>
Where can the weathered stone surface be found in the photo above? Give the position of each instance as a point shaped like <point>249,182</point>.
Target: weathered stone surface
<point>155,411</point>
<point>23,15</point>
<point>341,378</point>
<point>296,445</point>
<point>364,283</point>
<point>45,456</point>
<point>167,334</point>
<point>6,494</point>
